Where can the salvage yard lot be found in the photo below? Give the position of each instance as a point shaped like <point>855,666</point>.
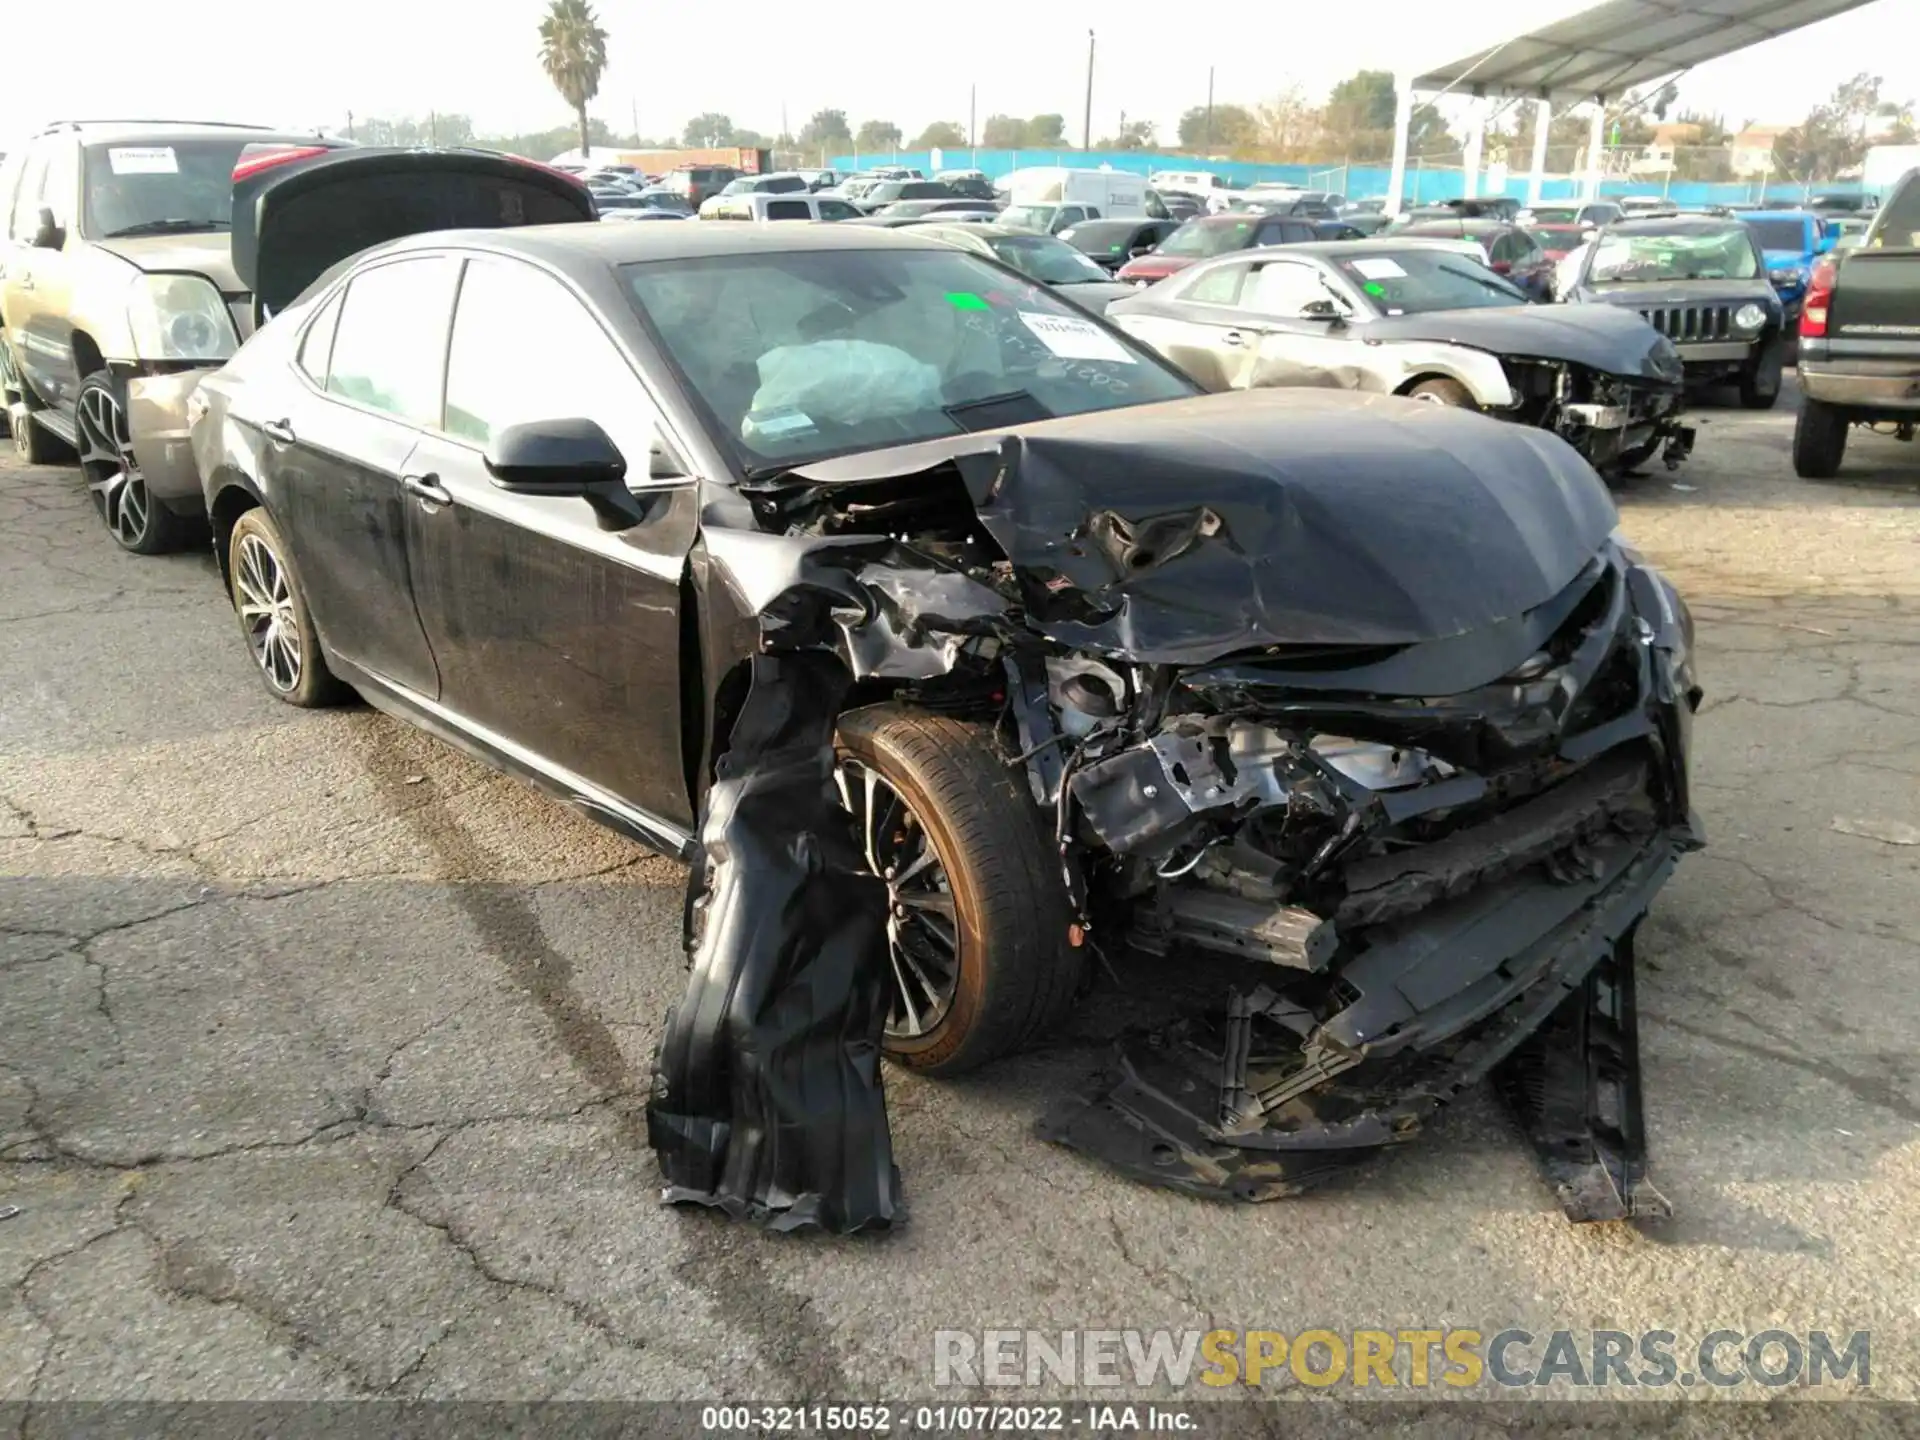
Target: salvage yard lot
<point>323,1049</point>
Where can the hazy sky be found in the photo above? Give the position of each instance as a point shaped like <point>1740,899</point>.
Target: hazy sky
<point>277,63</point>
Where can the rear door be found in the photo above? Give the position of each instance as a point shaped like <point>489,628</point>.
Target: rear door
<point>1203,328</point>
<point>558,635</point>
<point>337,467</point>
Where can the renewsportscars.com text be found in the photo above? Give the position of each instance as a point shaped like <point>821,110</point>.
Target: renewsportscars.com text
<point>1456,1357</point>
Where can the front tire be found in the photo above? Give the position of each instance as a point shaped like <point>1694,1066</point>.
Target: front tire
<point>1442,391</point>
<point>978,930</point>
<point>1819,441</point>
<point>133,516</point>
<point>274,618</point>
<point>1760,381</point>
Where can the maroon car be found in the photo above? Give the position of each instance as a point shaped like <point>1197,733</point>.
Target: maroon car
<point>1559,240</point>
<point>1206,236</point>
<point>1511,251</point>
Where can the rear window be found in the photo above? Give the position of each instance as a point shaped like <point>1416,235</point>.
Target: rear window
<point>1897,227</point>
<point>1780,234</point>
<point>788,210</point>
<point>924,190</point>
<point>1199,239</point>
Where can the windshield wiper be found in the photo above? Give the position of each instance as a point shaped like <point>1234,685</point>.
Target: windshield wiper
<point>166,227</point>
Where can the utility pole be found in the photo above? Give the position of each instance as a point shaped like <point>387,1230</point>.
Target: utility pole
<point>1207,145</point>
<point>1086,124</point>
<point>973,109</point>
<point>349,125</point>
<point>433,129</point>
<point>634,101</point>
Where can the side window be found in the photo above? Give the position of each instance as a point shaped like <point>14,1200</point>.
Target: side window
<point>837,210</point>
<point>316,346</point>
<point>11,169</point>
<point>390,342</point>
<point>1271,233</point>
<point>524,348</point>
<point>1502,249</point>
<point>788,210</point>
<point>62,185</point>
<point>26,206</point>
<point>1217,287</point>
<point>1283,288</point>
<point>1295,233</point>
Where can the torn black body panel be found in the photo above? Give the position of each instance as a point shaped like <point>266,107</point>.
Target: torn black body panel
<point>767,1098</point>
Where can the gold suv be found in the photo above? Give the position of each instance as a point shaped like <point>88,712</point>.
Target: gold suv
<point>117,293</point>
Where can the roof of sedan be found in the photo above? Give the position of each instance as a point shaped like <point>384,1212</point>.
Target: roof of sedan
<point>695,239</point>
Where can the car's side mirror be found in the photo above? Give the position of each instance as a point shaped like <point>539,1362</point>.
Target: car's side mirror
<point>1138,250</point>
<point>47,234</point>
<point>565,458</point>
<point>1324,310</point>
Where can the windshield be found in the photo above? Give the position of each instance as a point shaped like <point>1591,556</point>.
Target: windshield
<point>1781,235</point>
<point>1042,258</point>
<point>1556,237</point>
<point>1200,239</point>
<point>1551,214</point>
<point>805,354</point>
<point>183,185</point>
<point>1644,259</point>
<point>1416,282</point>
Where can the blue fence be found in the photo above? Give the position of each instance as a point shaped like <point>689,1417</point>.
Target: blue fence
<point>1425,184</point>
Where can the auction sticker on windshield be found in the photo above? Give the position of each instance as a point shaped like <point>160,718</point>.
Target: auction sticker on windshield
<point>143,160</point>
<point>1072,339</point>
<point>1380,269</point>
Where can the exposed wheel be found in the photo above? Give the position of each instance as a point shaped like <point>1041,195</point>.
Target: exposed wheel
<point>978,930</point>
<point>1819,441</point>
<point>1760,381</point>
<point>1441,391</point>
<point>273,615</point>
<point>136,520</point>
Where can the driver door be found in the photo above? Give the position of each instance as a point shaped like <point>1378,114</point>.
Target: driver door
<point>1293,348</point>
<point>551,632</point>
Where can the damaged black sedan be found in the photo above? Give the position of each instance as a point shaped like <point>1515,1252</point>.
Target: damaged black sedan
<point>957,639</point>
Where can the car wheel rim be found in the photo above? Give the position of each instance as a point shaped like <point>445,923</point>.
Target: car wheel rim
<point>923,926</point>
<point>266,613</point>
<point>113,475</point>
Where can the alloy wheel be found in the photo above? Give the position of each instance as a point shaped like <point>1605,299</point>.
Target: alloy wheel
<point>267,614</point>
<point>923,926</point>
<point>113,475</point>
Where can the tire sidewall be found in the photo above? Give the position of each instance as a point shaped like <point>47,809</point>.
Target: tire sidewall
<point>317,685</point>
<point>969,1005</point>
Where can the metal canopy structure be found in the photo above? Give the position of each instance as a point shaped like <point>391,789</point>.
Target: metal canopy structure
<point>1597,56</point>
<point>1601,53</point>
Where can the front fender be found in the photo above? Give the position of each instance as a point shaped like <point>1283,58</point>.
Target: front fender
<point>1407,362</point>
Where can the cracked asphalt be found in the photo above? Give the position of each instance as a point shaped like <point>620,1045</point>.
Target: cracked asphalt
<point>323,1049</point>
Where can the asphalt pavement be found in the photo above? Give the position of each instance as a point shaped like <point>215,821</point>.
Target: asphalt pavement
<point>323,1049</point>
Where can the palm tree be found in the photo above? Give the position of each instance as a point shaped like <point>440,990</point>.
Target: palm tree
<point>573,52</point>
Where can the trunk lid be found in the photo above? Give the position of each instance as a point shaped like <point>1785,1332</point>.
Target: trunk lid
<point>1876,296</point>
<point>294,218</point>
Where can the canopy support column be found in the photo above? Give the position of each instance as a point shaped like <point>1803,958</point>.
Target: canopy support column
<point>1402,124</point>
<point>1476,142</point>
<point>1542,120</point>
<point>1596,150</point>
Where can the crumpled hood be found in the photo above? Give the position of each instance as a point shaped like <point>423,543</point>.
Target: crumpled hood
<point>1095,295</point>
<point>1185,532</point>
<point>1615,341</point>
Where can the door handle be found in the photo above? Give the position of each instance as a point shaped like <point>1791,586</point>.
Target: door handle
<point>427,489</point>
<point>1233,337</point>
<point>279,431</point>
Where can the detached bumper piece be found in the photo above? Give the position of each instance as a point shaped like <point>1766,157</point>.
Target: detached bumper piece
<point>767,1099</point>
<point>1262,1103</point>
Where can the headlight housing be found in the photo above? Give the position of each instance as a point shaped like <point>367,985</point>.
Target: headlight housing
<point>179,317</point>
<point>1750,316</point>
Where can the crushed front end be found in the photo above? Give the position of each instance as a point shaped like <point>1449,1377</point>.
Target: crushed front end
<point>1616,422</point>
<point>1414,878</point>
